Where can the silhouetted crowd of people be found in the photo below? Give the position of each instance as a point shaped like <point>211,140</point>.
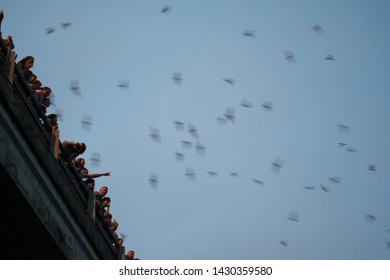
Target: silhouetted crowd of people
<point>69,151</point>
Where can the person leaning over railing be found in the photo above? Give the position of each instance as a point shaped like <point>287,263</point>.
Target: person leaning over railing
<point>108,219</point>
<point>84,173</point>
<point>114,226</point>
<point>54,134</point>
<point>131,255</point>
<point>46,102</point>
<point>106,204</point>
<point>90,183</point>
<point>9,42</point>
<point>53,120</point>
<point>72,150</point>
<point>25,65</point>
<point>99,199</point>
<point>33,82</point>
<point>42,94</point>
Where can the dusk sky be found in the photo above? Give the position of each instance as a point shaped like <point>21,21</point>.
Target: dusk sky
<point>288,101</point>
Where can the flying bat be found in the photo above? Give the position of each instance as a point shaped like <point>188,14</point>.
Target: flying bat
<point>246,104</point>
<point>325,188</point>
<point>230,114</point>
<point>177,78</point>
<point>342,144</point>
<point>221,120</point>
<point>123,84</point>
<point>155,134</point>
<point>50,30</point>
<point>75,88</point>
<point>95,159</point>
<point>123,235</point>
<point>289,56</point>
<point>372,167</point>
<point>65,25</point>
<point>179,125</point>
<point>258,182</point>
<point>193,131</point>
<point>336,179</point>
<point>277,164</point>
<point>59,114</point>
<point>293,216</point>
<point>153,180</point>
<point>351,149</point>
<point>86,122</point>
<point>186,144</point>
<point>267,106</point>
<point>200,148</point>
<point>344,128</point>
<point>249,33</point>
<point>179,156</point>
<point>317,28</point>
<point>284,243</point>
<point>166,9</point>
<point>329,57</point>
<point>370,218</point>
<point>190,174</point>
<point>229,81</point>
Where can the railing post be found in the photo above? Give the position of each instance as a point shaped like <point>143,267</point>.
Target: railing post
<point>54,142</point>
<point>91,205</point>
<point>121,254</point>
<point>11,65</point>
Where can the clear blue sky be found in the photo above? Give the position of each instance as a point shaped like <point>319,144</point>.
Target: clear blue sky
<point>226,217</point>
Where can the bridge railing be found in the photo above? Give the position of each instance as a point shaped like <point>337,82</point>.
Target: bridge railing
<point>25,110</point>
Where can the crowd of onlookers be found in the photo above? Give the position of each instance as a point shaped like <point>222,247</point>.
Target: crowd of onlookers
<point>71,154</point>
<point>70,151</point>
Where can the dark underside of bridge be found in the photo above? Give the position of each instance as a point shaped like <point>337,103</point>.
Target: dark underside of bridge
<point>24,237</point>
